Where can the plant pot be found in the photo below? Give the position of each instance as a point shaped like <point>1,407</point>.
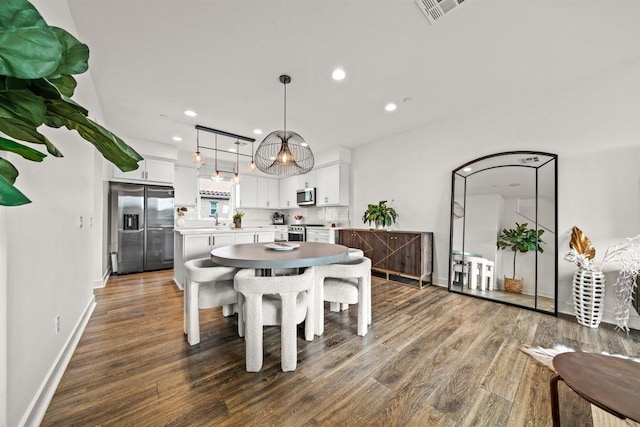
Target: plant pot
<point>588,297</point>
<point>237,223</point>
<point>513,285</point>
<point>180,221</point>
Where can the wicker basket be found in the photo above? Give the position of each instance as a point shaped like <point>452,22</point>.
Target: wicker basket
<point>513,285</point>
<point>588,297</point>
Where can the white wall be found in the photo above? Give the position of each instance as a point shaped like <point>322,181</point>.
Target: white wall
<point>52,262</point>
<point>591,123</point>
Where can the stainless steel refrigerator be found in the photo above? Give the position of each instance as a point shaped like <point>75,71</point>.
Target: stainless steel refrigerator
<point>141,227</point>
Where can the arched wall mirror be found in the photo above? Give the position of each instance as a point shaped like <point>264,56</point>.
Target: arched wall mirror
<point>514,192</point>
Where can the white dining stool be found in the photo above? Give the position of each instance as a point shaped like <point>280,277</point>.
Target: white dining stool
<point>207,285</point>
<point>347,282</point>
<point>270,301</point>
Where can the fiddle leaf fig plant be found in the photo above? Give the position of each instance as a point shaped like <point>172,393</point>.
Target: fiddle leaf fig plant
<point>37,62</point>
<point>520,239</point>
<point>380,214</point>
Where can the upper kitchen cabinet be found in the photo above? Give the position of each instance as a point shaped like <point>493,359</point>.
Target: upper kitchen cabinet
<point>268,193</point>
<point>186,186</point>
<point>288,188</point>
<point>149,170</point>
<point>308,180</point>
<point>258,192</point>
<point>248,191</point>
<point>332,185</point>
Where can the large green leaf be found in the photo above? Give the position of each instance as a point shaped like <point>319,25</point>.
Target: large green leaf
<point>29,48</point>
<point>26,152</point>
<point>20,14</point>
<point>75,55</point>
<point>8,171</point>
<point>23,105</point>
<point>12,83</point>
<point>10,195</point>
<point>112,148</point>
<point>65,84</point>
<point>24,132</point>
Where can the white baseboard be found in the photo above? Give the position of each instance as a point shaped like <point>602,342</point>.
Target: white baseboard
<point>38,407</point>
<point>177,284</point>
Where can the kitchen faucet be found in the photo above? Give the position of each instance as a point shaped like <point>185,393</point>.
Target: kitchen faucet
<point>216,217</point>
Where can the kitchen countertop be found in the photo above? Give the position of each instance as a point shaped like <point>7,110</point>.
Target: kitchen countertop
<point>223,229</point>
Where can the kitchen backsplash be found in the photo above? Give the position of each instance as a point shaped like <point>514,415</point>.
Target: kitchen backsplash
<point>338,215</point>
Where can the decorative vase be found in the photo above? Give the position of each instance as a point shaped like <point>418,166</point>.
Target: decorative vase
<point>588,297</point>
<point>513,285</point>
<point>180,221</point>
<point>237,223</point>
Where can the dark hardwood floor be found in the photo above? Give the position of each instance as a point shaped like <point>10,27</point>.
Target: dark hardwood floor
<point>430,358</point>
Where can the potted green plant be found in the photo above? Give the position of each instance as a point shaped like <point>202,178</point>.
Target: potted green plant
<point>520,239</point>
<point>37,62</point>
<point>381,215</point>
<point>237,218</point>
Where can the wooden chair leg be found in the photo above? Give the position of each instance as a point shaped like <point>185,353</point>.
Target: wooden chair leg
<point>555,408</point>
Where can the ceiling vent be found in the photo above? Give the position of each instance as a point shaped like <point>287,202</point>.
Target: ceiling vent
<point>436,9</point>
<point>526,160</point>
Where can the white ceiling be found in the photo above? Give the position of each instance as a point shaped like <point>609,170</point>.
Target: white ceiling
<point>151,60</point>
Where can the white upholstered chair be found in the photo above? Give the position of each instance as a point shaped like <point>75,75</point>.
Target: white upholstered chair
<point>207,285</point>
<point>344,283</point>
<point>274,300</point>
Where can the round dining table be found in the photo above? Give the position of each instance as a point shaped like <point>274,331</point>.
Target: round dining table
<point>268,256</point>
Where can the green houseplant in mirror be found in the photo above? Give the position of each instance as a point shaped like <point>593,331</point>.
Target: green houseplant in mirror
<point>381,215</point>
<point>520,239</point>
<point>237,218</point>
<point>37,62</point>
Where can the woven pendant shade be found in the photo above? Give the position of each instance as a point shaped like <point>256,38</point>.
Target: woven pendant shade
<point>284,152</point>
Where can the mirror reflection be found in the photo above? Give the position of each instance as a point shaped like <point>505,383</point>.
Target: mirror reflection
<point>503,229</point>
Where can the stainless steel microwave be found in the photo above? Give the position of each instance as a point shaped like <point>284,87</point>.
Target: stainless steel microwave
<point>306,196</point>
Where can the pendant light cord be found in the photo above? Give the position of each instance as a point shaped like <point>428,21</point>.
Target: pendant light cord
<point>285,110</point>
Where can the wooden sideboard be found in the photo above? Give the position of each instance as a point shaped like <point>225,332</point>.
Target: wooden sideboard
<point>400,253</point>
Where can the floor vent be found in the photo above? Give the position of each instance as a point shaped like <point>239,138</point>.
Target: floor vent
<point>436,9</point>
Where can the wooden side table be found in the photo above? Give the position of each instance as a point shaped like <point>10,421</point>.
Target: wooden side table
<point>609,382</point>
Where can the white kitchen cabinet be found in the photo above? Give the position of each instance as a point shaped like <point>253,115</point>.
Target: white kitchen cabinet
<point>193,246</point>
<point>268,193</point>
<point>332,185</point>
<point>186,186</point>
<point>149,170</point>
<point>308,180</point>
<point>281,234</point>
<point>255,237</point>
<point>248,191</point>
<point>321,235</point>
<point>288,188</point>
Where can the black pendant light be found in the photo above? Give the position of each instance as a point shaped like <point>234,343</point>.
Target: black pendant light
<point>284,152</point>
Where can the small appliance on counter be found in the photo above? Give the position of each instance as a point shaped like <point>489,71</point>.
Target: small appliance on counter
<point>278,218</point>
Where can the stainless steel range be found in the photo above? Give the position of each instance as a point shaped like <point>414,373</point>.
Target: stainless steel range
<point>298,232</point>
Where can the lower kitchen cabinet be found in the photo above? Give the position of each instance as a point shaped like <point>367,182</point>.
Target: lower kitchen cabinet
<point>194,245</point>
<point>321,235</point>
<point>395,253</point>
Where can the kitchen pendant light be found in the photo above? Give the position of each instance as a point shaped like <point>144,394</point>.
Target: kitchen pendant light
<point>284,152</point>
<point>196,157</point>
<point>217,176</point>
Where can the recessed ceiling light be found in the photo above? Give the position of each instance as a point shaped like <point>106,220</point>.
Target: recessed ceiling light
<point>177,138</point>
<point>467,169</point>
<point>338,74</point>
<point>304,144</point>
<point>233,150</point>
<point>257,131</point>
<point>190,113</point>
<point>390,107</point>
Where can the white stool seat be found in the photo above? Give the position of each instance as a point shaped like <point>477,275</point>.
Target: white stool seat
<point>344,283</point>
<point>274,300</point>
<point>207,285</point>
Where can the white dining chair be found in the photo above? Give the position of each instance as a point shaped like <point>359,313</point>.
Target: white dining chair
<point>271,301</point>
<point>207,285</point>
<point>344,283</point>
